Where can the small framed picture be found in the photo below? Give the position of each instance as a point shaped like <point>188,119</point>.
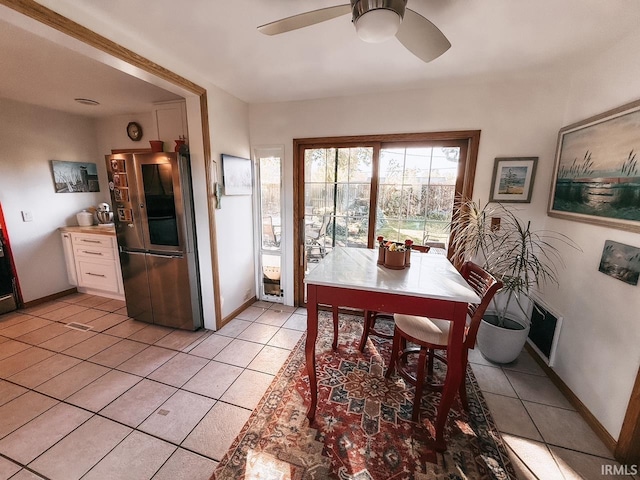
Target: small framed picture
<point>74,177</point>
<point>512,180</point>
<point>236,173</point>
<point>621,261</point>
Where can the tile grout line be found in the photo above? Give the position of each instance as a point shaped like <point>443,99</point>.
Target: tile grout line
<point>179,388</point>
<point>25,467</point>
<point>98,414</point>
<point>187,350</point>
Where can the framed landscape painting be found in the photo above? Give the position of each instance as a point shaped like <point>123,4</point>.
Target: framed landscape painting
<point>513,179</point>
<point>621,261</point>
<point>74,177</point>
<point>596,175</point>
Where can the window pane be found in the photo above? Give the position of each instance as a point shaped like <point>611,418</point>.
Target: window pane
<point>319,165</point>
<point>416,193</point>
<point>411,229</point>
<point>391,166</point>
<point>417,167</point>
<point>412,200</point>
<point>361,165</point>
<point>389,200</point>
<point>271,275</point>
<point>388,227</point>
<point>318,198</point>
<point>342,198</point>
<point>439,202</point>
<point>270,202</point>
<point>343,165</point>
<point>347,198</point>
<point>270,186</point>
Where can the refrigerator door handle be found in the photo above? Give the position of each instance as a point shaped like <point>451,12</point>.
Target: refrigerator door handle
<point>132,252</point>
<point>165,255</point>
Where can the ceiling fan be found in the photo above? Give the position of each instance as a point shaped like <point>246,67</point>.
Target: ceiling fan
<point>375,21</point>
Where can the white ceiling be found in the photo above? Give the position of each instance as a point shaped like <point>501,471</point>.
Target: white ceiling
<point>40,72</point>
<point>217,42</point>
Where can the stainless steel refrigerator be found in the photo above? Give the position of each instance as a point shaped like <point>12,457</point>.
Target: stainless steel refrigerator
<point>153,215</point>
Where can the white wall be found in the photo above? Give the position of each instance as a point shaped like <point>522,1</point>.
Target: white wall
<point>30,137</point>
<point>598,354</point>
<point>112,132</point>
<point>201,210</point>
<point>517,117</point>
<point>228,122</point>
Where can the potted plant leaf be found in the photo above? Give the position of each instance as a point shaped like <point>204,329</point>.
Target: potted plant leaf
<point>522,258</point>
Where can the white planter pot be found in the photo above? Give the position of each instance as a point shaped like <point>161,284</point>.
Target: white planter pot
<point>499,344</point>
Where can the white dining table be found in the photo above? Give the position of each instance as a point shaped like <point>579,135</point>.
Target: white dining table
<point>430,286</point>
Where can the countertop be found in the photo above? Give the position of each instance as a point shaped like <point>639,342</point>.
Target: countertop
<point>94,230</point>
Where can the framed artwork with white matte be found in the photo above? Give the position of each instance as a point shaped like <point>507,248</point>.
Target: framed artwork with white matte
<point>512,180</point>
<point>236,174</point>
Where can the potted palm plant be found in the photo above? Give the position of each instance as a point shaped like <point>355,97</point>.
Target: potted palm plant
<point>522,258</point>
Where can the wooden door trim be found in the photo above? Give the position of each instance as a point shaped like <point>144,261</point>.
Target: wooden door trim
<point>64,25</point>
<point>627,450</point>
<point>470,137</point>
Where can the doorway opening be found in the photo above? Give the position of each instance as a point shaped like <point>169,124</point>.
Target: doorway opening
<point>268,161</point>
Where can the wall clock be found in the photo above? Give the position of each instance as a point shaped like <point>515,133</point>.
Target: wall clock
<point>134,131</point>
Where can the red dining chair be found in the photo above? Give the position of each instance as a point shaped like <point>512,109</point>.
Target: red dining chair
<point>370,317</point>
<point>433,334</point>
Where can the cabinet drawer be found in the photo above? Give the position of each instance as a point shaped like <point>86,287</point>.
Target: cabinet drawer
<point>97,274</point>
<point>86,240</point>
<point>90,251</point>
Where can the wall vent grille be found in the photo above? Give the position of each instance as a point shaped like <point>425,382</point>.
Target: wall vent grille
<point>545,331</point>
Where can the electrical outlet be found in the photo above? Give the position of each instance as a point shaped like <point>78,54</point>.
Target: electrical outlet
<point>27,216</point>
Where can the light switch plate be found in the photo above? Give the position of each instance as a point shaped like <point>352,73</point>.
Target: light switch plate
<point>27,216</point>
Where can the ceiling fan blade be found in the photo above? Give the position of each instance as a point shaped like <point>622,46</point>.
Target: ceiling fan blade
<point>304,20</point>
<point>421,37</point>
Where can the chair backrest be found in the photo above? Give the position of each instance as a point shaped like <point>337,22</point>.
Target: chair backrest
<point>421,248</point>
<point>486,286</point>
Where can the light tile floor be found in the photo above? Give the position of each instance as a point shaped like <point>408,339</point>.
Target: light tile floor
<point>546,438</point>
<point>128,400</point>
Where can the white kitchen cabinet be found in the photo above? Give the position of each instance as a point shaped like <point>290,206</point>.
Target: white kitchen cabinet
<point>170,123</point>
<point>93,263</point>
<point>69,258</point>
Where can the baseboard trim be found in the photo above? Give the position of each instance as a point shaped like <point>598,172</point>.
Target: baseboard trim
<point>580,407</point>
<point>48,298</point>
<point>238,310</point>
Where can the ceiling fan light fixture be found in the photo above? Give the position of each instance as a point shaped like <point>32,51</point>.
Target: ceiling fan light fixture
<point>378,25</point>
<point>377,20</point>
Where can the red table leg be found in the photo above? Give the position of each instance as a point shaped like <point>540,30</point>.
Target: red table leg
<point>310,349</point>
<point>455,373</point>
<point>335,327</point>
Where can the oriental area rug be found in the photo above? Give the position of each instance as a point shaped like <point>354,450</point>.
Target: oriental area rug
<point>363,428</point>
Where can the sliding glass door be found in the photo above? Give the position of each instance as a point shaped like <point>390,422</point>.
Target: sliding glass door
<point>337,193</point>
<point>348,191</point>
